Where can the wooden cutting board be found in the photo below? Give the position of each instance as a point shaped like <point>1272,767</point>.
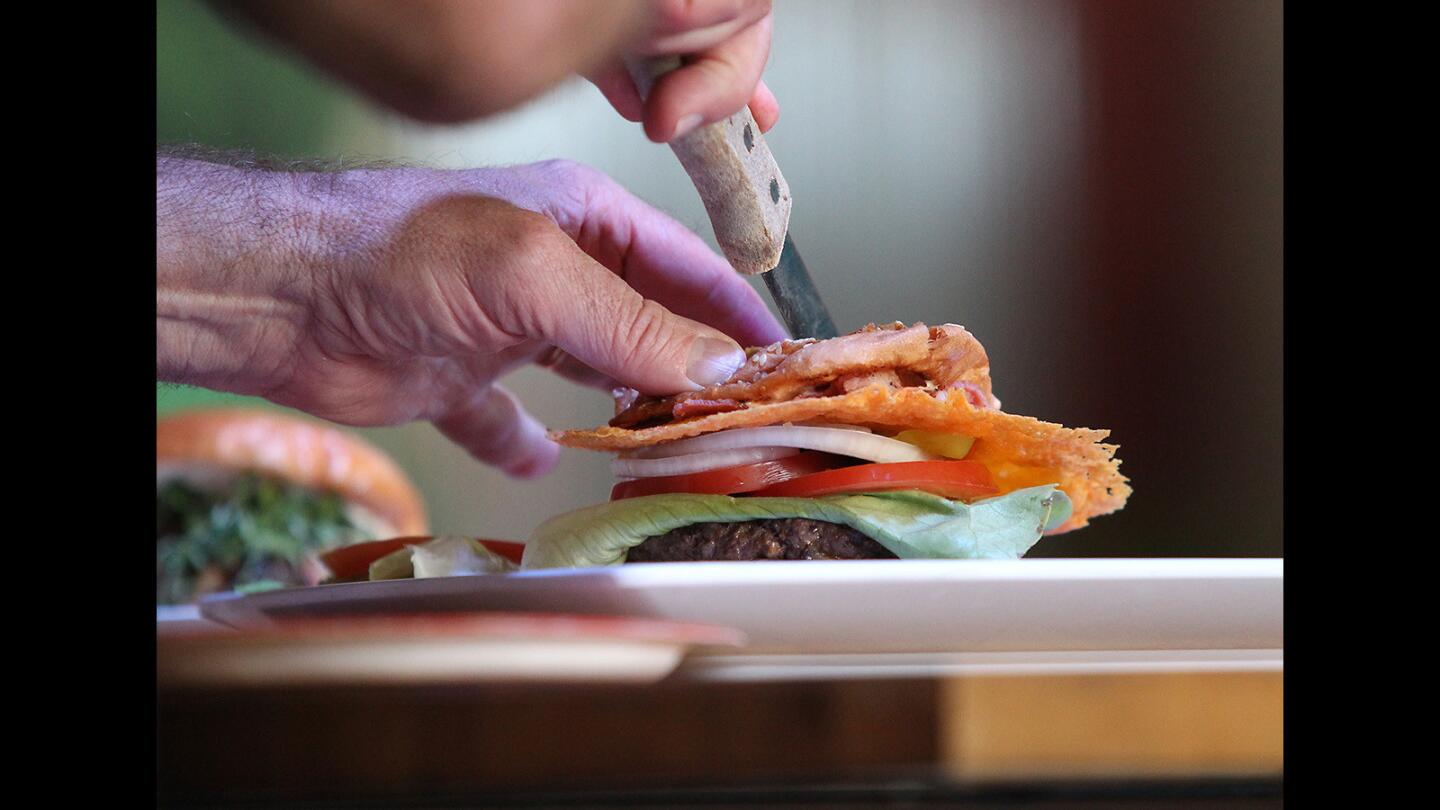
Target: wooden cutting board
<point>416,741</point>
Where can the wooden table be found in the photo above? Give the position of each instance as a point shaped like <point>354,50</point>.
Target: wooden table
<point>1172,739</point>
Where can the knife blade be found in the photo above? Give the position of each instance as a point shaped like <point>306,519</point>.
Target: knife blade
<point>748,202</point>
<point>795,296</point>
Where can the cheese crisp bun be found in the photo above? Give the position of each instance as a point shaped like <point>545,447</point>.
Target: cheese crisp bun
<point>247,499</point>
<point>887,442</point>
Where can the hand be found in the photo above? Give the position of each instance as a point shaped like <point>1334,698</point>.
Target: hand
<point>448,60</point>
<point>455,60</point>
<point>726,43</point>
<point>382,297</point>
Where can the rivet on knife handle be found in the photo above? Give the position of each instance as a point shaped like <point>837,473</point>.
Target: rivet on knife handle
<point>744,193</point>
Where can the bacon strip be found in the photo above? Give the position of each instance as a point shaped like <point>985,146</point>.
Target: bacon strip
<point>645,409</point>
<point>895,356</point>
<point>686,408</point>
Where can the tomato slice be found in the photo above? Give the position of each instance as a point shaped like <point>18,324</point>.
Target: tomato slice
<point>352,563</point>
<point>959,480</point>
<point>729,480</point>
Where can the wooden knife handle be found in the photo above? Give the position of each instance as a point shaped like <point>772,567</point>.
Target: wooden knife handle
<point>744,193</point>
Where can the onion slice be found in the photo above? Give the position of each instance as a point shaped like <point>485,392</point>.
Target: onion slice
<point>840,441</point>
<point>696,462</point>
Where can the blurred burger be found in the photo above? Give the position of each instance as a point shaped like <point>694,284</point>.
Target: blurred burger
<point>884,443</point>
<point>247,499</point>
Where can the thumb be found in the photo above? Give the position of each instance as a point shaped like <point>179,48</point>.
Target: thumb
<point>595,316</point>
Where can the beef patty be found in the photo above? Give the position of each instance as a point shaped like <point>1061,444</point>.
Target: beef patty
<point>782,539</point>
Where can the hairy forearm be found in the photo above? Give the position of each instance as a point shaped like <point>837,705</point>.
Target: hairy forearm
<point>236,258</point>
<point>254,257</point>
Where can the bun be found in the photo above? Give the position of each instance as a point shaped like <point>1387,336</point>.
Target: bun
<point>297,450</point>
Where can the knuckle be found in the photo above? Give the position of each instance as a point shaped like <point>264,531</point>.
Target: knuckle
<point>645,334</point>
<point>573,174</point>
<point>556,168</point>
<point>673,15</point>
<point>529,231</point>
<point>728,76</point>
<point>576,188</point>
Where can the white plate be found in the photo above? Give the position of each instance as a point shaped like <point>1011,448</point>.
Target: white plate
<point>426,648</point>
<point>961,614</point>
<point>182,619</point>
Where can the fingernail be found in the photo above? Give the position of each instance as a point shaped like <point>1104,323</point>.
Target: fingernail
<point>713,360</point>
<point>687,125</point>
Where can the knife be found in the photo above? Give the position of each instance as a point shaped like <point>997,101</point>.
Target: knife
<point>749,203</point>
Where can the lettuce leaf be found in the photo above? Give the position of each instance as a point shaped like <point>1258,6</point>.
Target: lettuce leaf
<point>909,523</point>
<point>254,530</point>
<point>441,557</point>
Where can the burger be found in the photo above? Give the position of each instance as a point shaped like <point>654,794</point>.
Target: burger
<point>885,443</point>
<point>248,499</point>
